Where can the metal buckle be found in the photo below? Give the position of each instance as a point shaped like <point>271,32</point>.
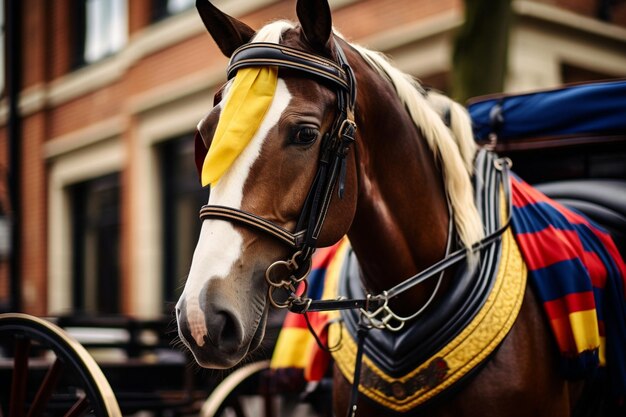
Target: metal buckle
<point>502,163</point>
<point>382,316</point>
<point>290,266</point>
<point>347,129</point>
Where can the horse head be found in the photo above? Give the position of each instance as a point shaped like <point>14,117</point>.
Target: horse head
<point>259,149</point>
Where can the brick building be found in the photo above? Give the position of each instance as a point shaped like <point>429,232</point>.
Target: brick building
<point>111,91</point>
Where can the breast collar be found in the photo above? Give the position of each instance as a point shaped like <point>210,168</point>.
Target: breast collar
<point>404,369</point>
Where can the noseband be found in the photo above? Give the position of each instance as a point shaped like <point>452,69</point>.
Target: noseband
<point>331,170</point>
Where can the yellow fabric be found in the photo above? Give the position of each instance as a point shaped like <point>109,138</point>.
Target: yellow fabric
<point>284,355</point>
<point>250,98</point>
<point>585,329</point>
<point>602,351</point>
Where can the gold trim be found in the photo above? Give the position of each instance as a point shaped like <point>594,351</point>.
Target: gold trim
<point>473,345</point>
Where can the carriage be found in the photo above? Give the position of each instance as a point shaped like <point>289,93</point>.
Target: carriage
<point>574,137</point>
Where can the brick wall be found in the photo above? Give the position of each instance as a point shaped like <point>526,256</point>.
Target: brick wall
<point>59,39</point>
<point>33,215</point>
<point>34,38</point>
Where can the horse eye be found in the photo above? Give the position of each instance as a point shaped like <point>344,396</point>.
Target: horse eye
<point>304,136</point>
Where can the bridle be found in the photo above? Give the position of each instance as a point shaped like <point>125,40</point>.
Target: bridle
<point>331,170</point>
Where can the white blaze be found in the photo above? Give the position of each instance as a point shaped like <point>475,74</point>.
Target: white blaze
<point>220,245</point>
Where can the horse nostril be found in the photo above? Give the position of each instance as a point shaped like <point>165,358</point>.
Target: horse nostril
<point>228,335</point>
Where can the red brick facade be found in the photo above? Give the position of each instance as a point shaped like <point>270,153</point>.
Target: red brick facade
<point>51,113</point>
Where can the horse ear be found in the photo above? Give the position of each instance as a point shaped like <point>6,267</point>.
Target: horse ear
<point>316,22</point>
<point>228,32</point>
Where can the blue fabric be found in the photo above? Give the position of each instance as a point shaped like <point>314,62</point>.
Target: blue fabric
<point>585,109</point>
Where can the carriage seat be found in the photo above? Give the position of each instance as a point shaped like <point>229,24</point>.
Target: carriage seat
<point>602,200</point>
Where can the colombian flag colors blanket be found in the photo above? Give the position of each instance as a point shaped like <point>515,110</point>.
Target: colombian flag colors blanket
<point>579,276</point>
<point>574,268</point>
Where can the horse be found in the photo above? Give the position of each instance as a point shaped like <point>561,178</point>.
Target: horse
<point>338,142</point>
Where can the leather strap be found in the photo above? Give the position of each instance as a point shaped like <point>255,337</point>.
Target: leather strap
<point>294,240</point>
<point>334,305</point>
<point>270,54</point>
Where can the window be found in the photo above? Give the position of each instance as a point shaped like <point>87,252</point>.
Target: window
<point>96,245</point>
<point>163,8</point>
<point>100,28</point>
<point>576,74</point>
<point>182,198</point>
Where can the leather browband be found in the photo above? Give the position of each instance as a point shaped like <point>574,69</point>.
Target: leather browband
<point>270,54</point>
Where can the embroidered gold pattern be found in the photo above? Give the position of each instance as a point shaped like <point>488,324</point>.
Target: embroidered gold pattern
<point>468,349</point>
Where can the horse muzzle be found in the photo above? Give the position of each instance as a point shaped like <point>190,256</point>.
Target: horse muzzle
<point>216,343</point>
<point>218,332</point>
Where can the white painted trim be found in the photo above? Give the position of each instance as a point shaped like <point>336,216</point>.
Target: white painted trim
<point>102,158</point>
<point>338,4</point>
<point>537,50</point>
<point>202,81</point>
<point>155,125</point>
<point>562,17</point>
<point>443,23</point>
<point>421,48</point>
<point>34,98</point>
<point>84,138</point>
<point>87,79</point>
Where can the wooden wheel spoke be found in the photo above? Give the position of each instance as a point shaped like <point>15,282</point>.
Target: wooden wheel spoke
<point>79,408</point>
<point>45,390</point>
<point>20,377</point>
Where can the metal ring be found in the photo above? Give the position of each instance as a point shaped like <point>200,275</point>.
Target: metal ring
<point>285,304</point>
<point>503,162</point>
<point>283,283</point>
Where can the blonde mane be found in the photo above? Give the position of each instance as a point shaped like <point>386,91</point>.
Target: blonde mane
<point>454,147</point>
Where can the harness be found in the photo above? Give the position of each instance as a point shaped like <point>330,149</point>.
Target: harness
<point>406,368</point>
<point>330,176</point>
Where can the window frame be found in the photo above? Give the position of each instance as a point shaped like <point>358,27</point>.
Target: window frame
<point>83,226</point>
<point>80,35</point>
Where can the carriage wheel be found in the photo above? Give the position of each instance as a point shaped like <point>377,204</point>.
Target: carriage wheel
<point>234,396</point>
<point>242,394</point>
<point>44,371</point>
